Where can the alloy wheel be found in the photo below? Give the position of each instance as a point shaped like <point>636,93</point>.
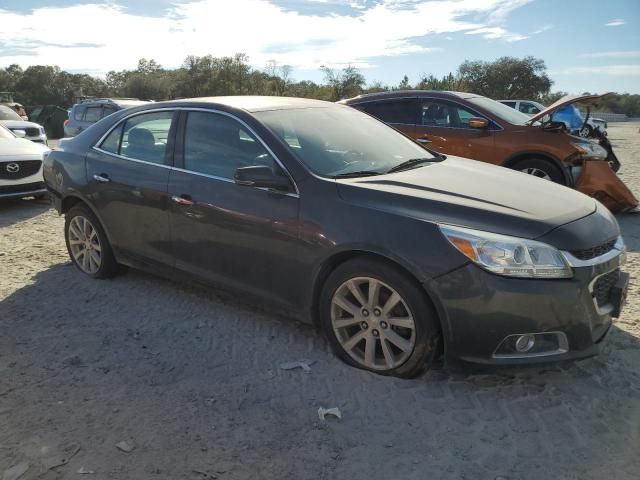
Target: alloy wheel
<point>85,245</point>
<point>536,172</point>
<point>373,323</point>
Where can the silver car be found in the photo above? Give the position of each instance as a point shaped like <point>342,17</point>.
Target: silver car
<point>22,128</point>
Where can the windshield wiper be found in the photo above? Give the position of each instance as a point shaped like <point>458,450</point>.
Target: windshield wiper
<point>410,164</point>
<point>359,173</point>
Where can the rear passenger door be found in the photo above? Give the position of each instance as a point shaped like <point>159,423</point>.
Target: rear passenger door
<point>128,175</point>
<point>401,114</point>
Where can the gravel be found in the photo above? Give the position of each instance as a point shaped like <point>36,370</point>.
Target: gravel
<point>192,377</point>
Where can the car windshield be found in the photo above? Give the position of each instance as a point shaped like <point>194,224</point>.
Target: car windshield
<point>6,133</point>
<point>500,110</point>
<point>7,113</point>
<point>341,141</point>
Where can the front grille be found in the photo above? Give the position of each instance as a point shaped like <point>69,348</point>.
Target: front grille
<point>8,170</point>
<point>594,252</point>
<point>32,132</point>
<point>602,287</point>
<point>25,187</point>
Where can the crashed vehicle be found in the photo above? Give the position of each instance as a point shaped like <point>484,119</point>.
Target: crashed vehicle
<point>569,114</point>
<point>477,127</point>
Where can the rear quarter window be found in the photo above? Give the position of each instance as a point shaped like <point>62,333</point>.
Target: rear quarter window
<point>93,114</point>
<point>78,113</point>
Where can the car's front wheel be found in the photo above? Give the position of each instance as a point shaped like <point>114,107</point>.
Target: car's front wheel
<point>541,168</point>
<point>378,318</point>
<point>87,243</point>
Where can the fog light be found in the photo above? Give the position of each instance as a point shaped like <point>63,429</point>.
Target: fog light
<point>524,343</point>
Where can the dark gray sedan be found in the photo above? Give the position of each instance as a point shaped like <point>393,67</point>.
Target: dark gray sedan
<point>394,252</point>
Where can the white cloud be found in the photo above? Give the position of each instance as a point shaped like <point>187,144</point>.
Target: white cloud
<point>615,54</point>
<point>615,70</point>
<point>542,29</point>
<point>616,22</point>
<point>259,28</point>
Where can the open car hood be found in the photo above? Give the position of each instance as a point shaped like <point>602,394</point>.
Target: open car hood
<point>563,102</point>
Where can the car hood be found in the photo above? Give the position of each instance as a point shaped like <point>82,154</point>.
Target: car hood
<point>19,124</point>
<point>12,147</point>
<point>468,193</point>
<point>563,102</point>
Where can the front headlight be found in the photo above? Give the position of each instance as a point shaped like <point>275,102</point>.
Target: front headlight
<point>590,150</point>
<point>509,256</point>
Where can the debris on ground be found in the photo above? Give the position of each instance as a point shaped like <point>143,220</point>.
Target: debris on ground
<point>15,472</point>
<point>84,471</point>
<point>303,364</point>
<point>204,474</point>
<point>63,456</point>
<point>323,412</point>
<point>126,447</point>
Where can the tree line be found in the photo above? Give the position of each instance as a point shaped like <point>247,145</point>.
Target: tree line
<point>504,78</point>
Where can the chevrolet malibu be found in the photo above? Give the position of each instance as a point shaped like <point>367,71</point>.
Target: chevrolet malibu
<point>395,253</point>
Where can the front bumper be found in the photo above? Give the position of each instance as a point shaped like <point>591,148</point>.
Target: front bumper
<point>22,190</point>
<point>479,310</point>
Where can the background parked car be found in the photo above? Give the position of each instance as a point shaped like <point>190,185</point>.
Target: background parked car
<point>476,127</point>
<point>10,119</point>
<point>529,107</point>
<point>20,166</point>
<point>84,114</point>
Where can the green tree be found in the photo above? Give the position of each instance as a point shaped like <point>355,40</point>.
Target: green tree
<point>507,77</point>
<point>344,83</point>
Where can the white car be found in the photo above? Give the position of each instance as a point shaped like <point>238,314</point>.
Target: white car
<point>14,122</point>
<point>20,166</point>
<point>529,107</point>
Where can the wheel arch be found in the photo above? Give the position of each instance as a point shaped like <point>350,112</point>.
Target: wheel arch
<point>71,200</point>
<point>332,262</point>
<point>517,157</point>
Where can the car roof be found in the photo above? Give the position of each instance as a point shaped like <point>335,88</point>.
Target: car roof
<point>250,103</point>
<point>369,97</point>
<point>120,102</point>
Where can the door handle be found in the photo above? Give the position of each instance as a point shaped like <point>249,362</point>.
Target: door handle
<point>423,140</point>
<point>182,200</point>
<point>102,178</point>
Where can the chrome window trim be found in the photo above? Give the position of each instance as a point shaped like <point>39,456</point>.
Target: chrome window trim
<point>619,249</point>
<point>196,109</point>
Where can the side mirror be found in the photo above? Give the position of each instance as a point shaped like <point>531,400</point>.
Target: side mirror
<point>19,133</point>
<point>261,177</point>
<point>479,123</point>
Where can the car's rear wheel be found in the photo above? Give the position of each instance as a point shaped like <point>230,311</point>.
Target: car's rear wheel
<point>378,318</point>
<point>541,168</point>
<point>87,243</point>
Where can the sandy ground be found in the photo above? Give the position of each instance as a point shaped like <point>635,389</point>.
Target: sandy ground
<point>189,377</point>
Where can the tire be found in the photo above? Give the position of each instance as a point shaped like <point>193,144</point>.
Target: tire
<point>541,168</point>
<point>79,227</point>
<point>586,132</point>
<point>402,346</point>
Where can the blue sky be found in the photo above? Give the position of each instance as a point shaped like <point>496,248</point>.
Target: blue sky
<point>588,45</point>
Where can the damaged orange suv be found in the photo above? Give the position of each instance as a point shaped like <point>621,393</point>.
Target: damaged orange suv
<point>476,127</point>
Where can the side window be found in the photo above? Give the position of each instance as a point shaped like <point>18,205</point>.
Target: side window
<point>78,113</point>
<point>106,111</point>
<point>112,142</point>
<point>528,108</point>
<point>445,114</point>
<point>217,145</point>
<point>399,111</point>
<point>93,114</point>
<point>144,137</point>
<point>510,104</point>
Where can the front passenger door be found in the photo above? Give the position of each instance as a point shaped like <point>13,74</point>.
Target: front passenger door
<point>221,231</point>
<point>444,125</point>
